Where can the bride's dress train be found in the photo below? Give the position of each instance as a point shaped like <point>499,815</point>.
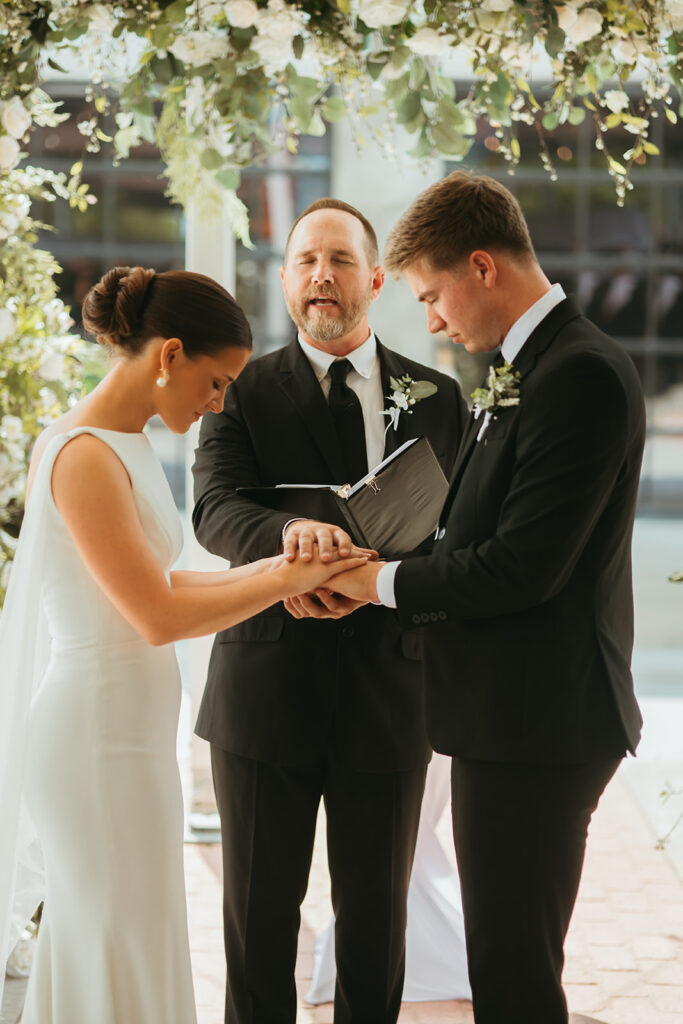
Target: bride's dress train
<point>102,785</point>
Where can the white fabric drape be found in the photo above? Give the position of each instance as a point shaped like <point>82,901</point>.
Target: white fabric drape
<point>436,959</point>
<point>24,654</point>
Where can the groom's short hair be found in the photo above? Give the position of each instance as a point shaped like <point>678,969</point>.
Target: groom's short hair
<point>452,218</point>
<point>328,203</point>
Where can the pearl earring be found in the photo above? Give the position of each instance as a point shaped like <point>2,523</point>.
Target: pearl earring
<point>163,378</point>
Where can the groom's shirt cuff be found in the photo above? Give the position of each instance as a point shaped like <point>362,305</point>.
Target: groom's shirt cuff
<point>385,584</point>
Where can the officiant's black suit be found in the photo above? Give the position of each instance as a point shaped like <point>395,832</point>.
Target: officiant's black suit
<point>298,708</point>
<point>527,608</point>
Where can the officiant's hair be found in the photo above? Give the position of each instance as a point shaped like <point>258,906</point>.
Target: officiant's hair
<point>130,305</point>
<point>328,203</point>
<point>456,215</point>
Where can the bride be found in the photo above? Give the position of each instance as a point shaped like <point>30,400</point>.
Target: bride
<point>89,782</point>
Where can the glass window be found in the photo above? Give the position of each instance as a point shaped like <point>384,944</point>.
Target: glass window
<point>132,222</point>
<point>624,265</point>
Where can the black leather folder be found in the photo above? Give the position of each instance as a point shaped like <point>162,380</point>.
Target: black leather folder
<point>392,509</point>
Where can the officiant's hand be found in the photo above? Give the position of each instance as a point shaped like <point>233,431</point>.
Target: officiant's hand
<point>322,603</point>
<point>303,535</point>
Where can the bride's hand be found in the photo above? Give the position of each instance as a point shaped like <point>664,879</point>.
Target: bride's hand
<point>304,576</point>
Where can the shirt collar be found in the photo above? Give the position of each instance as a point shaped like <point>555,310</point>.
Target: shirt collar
<point>362,359</point>
<point>521,330</point>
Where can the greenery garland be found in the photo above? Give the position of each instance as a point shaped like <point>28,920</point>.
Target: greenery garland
<point>220,84</point>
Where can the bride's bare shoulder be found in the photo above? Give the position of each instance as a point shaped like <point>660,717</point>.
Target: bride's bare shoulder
<point>69,421</point>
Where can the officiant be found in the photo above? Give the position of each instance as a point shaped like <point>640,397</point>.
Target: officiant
<point>299,709</point>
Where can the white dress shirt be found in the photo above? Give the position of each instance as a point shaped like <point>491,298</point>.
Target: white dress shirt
<point>513,343</point>
<point>365,379</point>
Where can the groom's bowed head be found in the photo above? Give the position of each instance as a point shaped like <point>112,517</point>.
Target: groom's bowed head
<point>465,251</point>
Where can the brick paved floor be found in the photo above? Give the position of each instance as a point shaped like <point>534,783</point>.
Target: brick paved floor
<point>624,949</point>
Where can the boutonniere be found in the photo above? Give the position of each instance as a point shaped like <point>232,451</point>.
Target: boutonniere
<point>501,391</point>
<point>404,394</point>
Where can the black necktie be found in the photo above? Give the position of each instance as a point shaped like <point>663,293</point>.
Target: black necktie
<point>348,421</point>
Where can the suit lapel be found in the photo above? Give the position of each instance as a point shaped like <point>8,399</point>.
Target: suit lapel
<point>390,366</point>
<point>300,385</point>
<point>537,342</point>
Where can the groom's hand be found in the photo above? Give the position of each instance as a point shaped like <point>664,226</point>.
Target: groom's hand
<point>359,584</point>
<point>303,534</point>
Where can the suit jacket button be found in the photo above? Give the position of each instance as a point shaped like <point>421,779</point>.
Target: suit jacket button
<point>347,632</point>
<point>416,620</point>
<point>425,616</point>
<point>442,615</point>
<point>433,617</point>
<point>441,533</point>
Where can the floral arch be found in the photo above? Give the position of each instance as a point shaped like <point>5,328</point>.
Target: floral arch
<point>220,84</point>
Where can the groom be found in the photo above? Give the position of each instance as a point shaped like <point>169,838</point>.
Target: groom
<point>526,599</point>
<point>294,709</point>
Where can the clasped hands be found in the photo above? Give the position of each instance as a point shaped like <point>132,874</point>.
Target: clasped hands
<point>352,589</point>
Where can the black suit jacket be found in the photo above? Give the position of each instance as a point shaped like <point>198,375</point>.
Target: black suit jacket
<point>529,659</point>
<point>286,690</point>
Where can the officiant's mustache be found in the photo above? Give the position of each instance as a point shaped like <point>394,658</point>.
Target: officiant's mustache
<point>318,293</point>
<point>311,318</point>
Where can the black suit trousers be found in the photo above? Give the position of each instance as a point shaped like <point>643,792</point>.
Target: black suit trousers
<point>520,837</point>
<point>268,817</point>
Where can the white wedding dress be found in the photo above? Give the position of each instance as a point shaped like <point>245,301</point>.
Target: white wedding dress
<point>101,783</point>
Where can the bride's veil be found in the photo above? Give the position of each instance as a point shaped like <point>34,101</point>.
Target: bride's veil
<point>24,653</point>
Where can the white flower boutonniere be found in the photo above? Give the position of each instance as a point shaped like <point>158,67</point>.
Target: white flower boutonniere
<point>501,391</point>
<point>405,393</point>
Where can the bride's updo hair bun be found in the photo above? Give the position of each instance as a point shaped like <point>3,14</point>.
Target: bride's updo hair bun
<point>130,305</point>
<point>113,308</point>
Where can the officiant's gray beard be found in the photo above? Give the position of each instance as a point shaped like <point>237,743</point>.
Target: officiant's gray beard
<point>322,327</point>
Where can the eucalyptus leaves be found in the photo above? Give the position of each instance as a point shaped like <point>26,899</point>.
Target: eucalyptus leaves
<point>501,392</point>
<point>405,393</point>
<point>218,84</point>
<point>41,363</point>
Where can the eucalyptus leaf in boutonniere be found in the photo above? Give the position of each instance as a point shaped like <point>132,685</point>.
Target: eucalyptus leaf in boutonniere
<point>501,391</point>
<point>404,394</point>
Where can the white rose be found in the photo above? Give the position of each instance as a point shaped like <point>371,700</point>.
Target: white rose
<point>497,5</point>
<point>274,53</point>
<point>279,21</point>
<point>9,152</point>
<point>12,427</point>
<point>588,24</point>
<point>427,42</point>
<point>241,13</point>
<point>101,19</point>
<point>400,399</point>
<point>52,367</point>
<point>616,100</point>
<point>518,55</point>
<point>377,13</point>
<point>16,119</point>
<point>627,50</point>
<point>674,9</point>
<point>7,325</point>
<point>198,48</point>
